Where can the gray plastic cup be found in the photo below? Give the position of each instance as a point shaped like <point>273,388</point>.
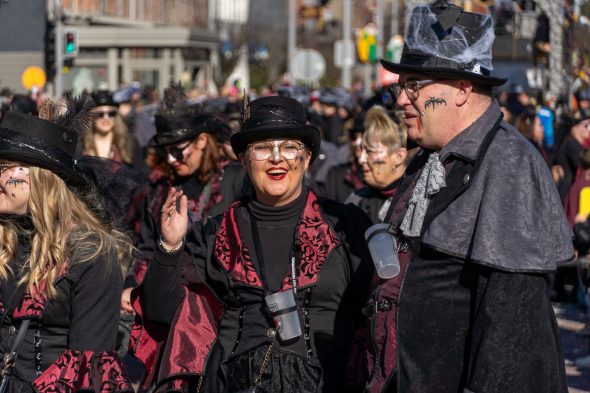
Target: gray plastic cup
<point>283,309</point>
<point>383,248</point>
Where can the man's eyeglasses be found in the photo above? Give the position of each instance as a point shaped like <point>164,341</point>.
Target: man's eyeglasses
<point>289,150</point>
<point>177,151</point>
<point>412,88</point>
<point>105,114</point>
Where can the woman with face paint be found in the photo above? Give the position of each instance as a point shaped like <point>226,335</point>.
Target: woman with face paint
<point>60,254</point>
<point>186,157</point>
<point>266,297</point>
<point>383,159</point>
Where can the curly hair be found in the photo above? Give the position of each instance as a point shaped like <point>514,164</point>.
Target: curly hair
<point>66,233</point>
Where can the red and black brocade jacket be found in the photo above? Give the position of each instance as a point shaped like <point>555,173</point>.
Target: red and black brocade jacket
<point>329,238</point>
<point>226,186</point>
<point>69,345</point>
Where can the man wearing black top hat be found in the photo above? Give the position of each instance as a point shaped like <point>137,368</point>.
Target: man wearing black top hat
<point>479,227</point>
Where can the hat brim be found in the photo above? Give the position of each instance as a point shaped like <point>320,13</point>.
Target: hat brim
<point>158,141</point>
<point>308,134</point>
<point>443,73</point>
<point>30,156</point>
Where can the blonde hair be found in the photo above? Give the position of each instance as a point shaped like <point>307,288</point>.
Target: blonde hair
<point>379,127</point>
<point>122,139</point>
<point>66,233</point>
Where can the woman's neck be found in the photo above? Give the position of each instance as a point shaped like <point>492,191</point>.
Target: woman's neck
<point>103,144</point>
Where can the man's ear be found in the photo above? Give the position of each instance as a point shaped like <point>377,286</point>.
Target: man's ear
<point>464,90</point>
<point>399,155</point>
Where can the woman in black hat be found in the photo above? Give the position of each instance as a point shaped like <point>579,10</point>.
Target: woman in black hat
<point>214,287</point>
<point>60,253</point>
<point>109,137</point>
<point>188,157</point>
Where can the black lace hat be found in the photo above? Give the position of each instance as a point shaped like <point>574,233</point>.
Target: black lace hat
<point>446,42</point>
<point>275,117</point>
<point>55,145</point>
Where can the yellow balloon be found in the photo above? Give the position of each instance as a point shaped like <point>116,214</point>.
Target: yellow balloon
<point>33,77</point>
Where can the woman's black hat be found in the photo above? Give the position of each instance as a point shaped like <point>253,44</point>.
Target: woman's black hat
<point>275,117</point>
<point>56,146</point>
<point>445,42</point>
<point>42,143</point>
<point>103,98</point>
<point>181,124</point>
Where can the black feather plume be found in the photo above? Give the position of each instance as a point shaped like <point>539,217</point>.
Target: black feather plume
<point>76,114</point>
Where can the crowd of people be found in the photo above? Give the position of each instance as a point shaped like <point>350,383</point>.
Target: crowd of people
<point>190,244</point>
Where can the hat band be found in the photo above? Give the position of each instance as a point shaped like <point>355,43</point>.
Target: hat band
<point>430,61</point>
<point>274,116</point>
<point>52,154</point>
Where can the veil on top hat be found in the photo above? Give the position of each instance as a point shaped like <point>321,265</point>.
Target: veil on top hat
<point>446,42</point>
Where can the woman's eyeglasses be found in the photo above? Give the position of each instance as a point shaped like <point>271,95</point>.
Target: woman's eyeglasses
<point>177,151</point>
<point>105,114</point>
<point>262,151</point>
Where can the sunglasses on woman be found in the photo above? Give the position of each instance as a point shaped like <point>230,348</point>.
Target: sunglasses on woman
<point>105,114</point>
<point>177,151</point>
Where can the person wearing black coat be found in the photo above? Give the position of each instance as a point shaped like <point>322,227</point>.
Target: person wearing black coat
<point>211,289</point>
<point>479,228</point>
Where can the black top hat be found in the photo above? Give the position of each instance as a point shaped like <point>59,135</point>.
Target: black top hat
<point>38,142</point>
<point>103,98</point>
<point>180,124</point>
<point>272,118</point>
<point>445,42</point>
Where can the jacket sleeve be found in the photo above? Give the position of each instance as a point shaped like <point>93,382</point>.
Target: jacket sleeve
<point>514,337</point>
<point>162,289</point>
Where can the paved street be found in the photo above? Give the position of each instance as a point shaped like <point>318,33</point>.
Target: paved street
<point>571,320</point>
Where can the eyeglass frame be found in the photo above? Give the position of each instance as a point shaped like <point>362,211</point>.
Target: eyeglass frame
<point>396,88</point>
<point>301,146</point>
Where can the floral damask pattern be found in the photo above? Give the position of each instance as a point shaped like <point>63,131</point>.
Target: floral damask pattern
<point>315,241</point>
<point>84,371</point>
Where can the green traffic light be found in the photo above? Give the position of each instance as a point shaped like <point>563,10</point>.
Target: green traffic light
<point>70,47</point>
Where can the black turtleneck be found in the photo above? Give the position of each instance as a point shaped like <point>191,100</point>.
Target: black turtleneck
<point>276,228</point>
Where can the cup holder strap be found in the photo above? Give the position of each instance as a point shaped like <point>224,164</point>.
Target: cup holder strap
<point>283,311</point>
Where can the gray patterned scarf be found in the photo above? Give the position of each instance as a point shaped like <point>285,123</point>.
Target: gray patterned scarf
<point>431,180</point>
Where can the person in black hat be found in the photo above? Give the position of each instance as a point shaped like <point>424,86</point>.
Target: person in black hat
<point>282,240</point>
<point>60,256</point>
<point>109,137</point>
<point>187,157</point>
<point>479,227</point>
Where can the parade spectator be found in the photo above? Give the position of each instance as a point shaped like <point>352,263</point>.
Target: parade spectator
<point>575,200</point>
<point>530,126</point>
<point>109,137</point>
<point>60,257</point>
<point>567,156</point>
<point>23,104</point>
<point>138,123</point>
<point>478,229</point>
<point>383,160</point>
<point>283,239</point>
<point>345,178</point>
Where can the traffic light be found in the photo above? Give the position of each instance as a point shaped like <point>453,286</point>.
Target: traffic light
<point>70,43</point>
<point>50,50</point>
